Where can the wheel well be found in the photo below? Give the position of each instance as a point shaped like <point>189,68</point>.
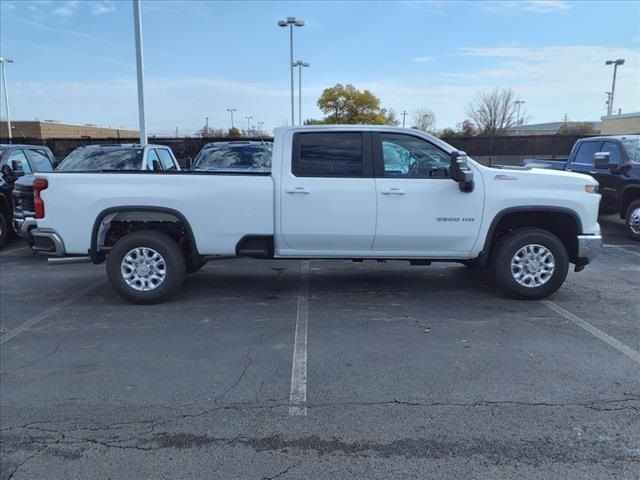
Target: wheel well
<point>628,196</point>
<point>114,224</point>
<point>563,225</point>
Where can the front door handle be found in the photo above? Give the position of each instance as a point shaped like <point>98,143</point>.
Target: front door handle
<point>393,191</point>
<point>299,190</point>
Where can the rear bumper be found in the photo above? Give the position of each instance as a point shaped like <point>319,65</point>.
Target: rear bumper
<point>48,241</point>
<point>589,246</point>
<point>23,226</point>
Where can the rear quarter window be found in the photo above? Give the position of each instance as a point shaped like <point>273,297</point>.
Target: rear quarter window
<point>330,154</point>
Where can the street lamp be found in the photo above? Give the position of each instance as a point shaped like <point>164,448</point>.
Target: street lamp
<point>615,64</point>
<point>248,127</point>
<point>291,22</point>
<point>137,21</point>
<point>4,60</point>
<point>608,94</point>
<point>300,64</point>
<point>231,110</point>
<point>518,103</point>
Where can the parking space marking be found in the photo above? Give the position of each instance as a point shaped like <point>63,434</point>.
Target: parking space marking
<point>617,344</point>
<point>47,313</point>
<point>298,395</point>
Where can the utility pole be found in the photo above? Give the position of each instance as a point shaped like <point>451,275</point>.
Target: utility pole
<point>206,125</point>
<point>404,114</point>
<point>231,110</point>
<point>615,64</point>
<point>4,60</point>
<point>137,20</point>
<point>291,22</point>
<point>177,132</point>
<point>248,126</point>
<point>518,103</point>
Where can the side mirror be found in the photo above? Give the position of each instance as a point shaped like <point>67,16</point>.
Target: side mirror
<point>603,160</point>
<point>460,171</point>
<point>16,166</point>
<point>8,174</point>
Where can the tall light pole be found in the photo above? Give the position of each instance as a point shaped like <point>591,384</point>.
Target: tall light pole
<point>518,103</point>
<point>4,60</point>
<point>300,64</point>
<point>231,110</point>
<point>291,22</point>
<point>404,114</point>
<point>615,64</point>
<point>248,126</point>
<point>137,20</point>
<point>608,94</point>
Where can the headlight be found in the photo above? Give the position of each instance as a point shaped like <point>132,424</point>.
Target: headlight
<point>591,188</point>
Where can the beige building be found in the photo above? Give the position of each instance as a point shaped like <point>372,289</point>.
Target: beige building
<point>43,130</point>
<point>621,124</point>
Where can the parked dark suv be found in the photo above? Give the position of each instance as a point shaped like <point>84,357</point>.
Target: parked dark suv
<point>17,161</point>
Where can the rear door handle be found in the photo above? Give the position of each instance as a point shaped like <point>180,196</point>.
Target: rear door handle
<point>393,191</point>
<point>299,190</point>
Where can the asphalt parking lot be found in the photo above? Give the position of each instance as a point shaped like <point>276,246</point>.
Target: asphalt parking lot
<point>321,369</point>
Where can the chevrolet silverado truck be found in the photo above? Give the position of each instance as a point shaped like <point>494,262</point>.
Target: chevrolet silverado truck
<point>614,161</point>
<point>333,192</point>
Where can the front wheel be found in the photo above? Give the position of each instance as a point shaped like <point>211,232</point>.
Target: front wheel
<point>530,264</point>
<point>633,220</point>
<point>146,267</point>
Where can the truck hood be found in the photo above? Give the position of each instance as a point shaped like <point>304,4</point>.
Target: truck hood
<point>542,175</point>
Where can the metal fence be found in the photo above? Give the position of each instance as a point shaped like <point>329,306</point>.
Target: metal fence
<point>490,150</point>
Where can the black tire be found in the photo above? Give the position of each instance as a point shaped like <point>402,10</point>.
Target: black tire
<point>4,229</point>
<point>632,220</point>
<point>506,250</point>
<point>174,266</point>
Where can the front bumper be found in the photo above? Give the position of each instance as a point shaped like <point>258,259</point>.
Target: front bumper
<point>48,241</point>
<point>589,246</point>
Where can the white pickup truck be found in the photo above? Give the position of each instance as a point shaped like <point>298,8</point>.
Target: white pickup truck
<point>333,192</point>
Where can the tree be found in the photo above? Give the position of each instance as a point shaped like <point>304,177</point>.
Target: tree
<point>425,120</point>
<point>494,112</point>
<point>205,132</point>
<point>576,128</point>
<point>234,133</point>
<point>467,128</point>
<point>448,133</point>
<point>348,105</point>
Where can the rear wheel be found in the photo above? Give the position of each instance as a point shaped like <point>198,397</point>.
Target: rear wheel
<point>146,267</point>
<point>530,263</point>
<point>633,220</point>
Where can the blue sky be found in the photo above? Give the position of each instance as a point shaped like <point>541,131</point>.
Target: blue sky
<point>75,60</point>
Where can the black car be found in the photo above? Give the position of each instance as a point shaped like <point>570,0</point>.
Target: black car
<point>237,156</point>
<point>17,161</point>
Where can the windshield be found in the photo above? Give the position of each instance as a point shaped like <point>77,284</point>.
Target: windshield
<point>253,158</point>
<point>632,147</point>
<point>103,159</point>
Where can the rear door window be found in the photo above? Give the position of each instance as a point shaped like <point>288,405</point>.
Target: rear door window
<point>331,154</point>
<point>586,151</point>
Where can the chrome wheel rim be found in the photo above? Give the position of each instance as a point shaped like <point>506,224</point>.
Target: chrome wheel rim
<point>532,266</point>
<point>143,269</point>
<point>634,221</point>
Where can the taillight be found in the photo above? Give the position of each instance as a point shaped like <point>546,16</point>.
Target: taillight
<point>39,184</point>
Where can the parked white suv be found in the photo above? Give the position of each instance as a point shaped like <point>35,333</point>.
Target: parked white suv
<point>353,192</point>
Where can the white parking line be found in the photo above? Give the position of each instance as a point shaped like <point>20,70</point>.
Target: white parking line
<point>298,395</point>
<point>47,313</point>
<point>617,344</point>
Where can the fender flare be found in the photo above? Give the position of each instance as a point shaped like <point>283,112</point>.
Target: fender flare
<point>96,256</point>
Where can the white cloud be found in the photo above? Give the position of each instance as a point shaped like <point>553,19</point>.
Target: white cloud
<point>422,59</point>
<point>6,6</point>
<point>67,9</point>
<point>102,7</point>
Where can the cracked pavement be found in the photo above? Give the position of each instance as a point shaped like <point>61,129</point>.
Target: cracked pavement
<point>413,372</point>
